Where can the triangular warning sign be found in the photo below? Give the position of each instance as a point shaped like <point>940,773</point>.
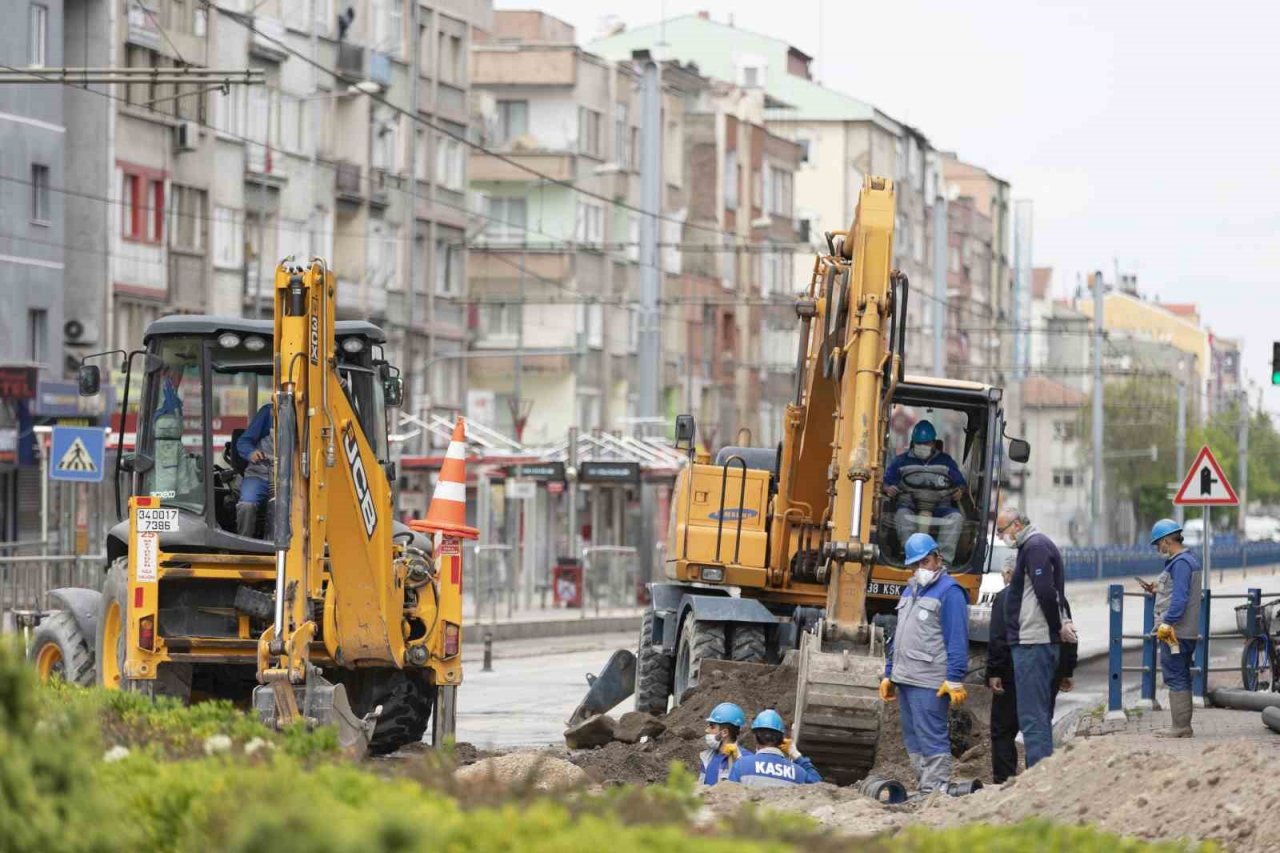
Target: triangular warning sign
<point>1205,484</point>
<point>77,458</point>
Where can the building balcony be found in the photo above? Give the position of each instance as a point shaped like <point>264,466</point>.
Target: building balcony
<point>268,34</point>
<point>554,164</point>
<point>529,66</point>
<point>347,182</point>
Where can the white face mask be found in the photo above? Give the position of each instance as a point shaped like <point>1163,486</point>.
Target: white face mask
<point>924,577</point>
<point>922,451</point>
<point>713,741</point>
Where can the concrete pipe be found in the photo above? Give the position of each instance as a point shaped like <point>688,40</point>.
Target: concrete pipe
<point>1244,700</point>
<point>1271,716</point>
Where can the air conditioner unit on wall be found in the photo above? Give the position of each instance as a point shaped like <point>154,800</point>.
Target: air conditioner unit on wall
<point>187,136</point>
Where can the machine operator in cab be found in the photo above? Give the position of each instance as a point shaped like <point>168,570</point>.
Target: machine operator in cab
<point>926,483</point>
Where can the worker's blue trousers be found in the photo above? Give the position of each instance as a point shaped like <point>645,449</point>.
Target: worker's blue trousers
<point>1176,666</point>
<point>924,720</point>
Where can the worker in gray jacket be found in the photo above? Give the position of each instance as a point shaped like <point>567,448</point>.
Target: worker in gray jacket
<point>1177,593</point>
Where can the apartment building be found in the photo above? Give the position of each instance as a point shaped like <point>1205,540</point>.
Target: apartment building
<point>352,150</point>
<point>842,139</point>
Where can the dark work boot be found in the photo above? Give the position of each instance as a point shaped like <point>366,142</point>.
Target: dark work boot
<point>1180,710</point>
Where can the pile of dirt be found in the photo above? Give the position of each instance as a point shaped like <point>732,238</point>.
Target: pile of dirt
<point>642,763</point>
<point>532,769</point>
<point>751,687</point>
<point>1228,792</point>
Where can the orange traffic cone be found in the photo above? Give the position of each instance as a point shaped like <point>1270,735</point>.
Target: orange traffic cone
<point>448,511</point>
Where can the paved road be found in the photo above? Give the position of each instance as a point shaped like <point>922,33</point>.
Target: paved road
<point>534,687</point>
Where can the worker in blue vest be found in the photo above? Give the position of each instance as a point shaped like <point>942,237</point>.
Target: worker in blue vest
<point>776,761</point>
<point>926,662</point>
<point>724,724</point>
<point>1177,593</point>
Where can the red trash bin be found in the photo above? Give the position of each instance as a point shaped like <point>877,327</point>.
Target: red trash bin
<point>566,582</point>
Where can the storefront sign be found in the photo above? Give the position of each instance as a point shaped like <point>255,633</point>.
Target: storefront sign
<point>609,472</point>
<point>17,383</point>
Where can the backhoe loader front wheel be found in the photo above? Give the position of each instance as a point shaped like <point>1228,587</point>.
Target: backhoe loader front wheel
<point>406,698</point>
<point>699,641</point>
<point>60,652</point>
<point>653,670</point>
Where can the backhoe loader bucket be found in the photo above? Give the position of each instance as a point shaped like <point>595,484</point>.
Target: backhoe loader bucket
<point>317,702</point>
<point>615,682</point>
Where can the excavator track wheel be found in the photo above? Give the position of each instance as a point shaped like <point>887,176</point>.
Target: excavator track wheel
<point>699,641</point>
<point>653,669</point>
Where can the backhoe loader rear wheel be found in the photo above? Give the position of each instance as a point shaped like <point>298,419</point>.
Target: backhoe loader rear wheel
<point>699,641</point>
<point>60,652</point>
<point>406,698</point>
<point>653,670</point>
<point>749,644</point>
<point>172,679</point>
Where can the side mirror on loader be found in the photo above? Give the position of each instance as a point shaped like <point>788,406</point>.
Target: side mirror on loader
<point>1019,450</point>
<point>90,380</point>
<point>393,391</point>
<point>686,430</point>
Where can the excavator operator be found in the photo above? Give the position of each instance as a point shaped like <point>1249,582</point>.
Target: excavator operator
<point>926,483</point>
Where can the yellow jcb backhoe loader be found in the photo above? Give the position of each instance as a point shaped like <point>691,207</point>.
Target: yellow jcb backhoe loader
<point>327,610</point>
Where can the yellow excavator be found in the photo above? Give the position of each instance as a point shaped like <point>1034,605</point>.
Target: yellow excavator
<point>319,606</point>
<point>799,547</point>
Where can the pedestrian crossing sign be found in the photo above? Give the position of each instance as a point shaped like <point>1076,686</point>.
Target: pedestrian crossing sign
<point>1205,484</point>
<point>77,453</point>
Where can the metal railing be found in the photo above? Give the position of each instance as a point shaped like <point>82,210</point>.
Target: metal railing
<point>1122,561</point>
<point>26,580</point>
<point>1200,667</point>
<point>614,580</point>
<point>493,585</point>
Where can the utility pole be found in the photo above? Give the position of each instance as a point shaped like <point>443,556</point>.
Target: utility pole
<point>941,252</point>
<point>571,474</point>
<point>1179,511</point>
<point>650,342</point>
<point>1242,445</point>
<point>1095,494</point>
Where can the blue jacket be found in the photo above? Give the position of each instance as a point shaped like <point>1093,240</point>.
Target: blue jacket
<point>1036,602</point>
<point>954,615</point>
<point>893,473</point>
<point>769,767</point>
<point>716,766</point>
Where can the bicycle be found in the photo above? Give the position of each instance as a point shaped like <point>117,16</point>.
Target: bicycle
<point>1260,660</point>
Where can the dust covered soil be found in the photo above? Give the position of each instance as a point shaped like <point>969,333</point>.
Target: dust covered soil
<point>1228,792</point>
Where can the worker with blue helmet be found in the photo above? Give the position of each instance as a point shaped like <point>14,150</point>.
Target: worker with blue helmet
<point>926,661</point>
<point>1177,594</point>
<point>925,484</point>
<point>776,761</point>
<point>724,724</point>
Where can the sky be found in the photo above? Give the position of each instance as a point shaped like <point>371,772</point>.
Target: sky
<point>1147,134</point>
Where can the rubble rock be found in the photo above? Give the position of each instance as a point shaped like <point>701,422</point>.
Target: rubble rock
<point>531,769</point>
<point>593,732</point>
<point>634,725</point>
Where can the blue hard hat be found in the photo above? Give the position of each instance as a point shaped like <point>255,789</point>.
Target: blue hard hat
<point>923,433</point>
<point>919,546</point>
<point>769,719</point>
<point>1163,528</point>
<point>727,713</point>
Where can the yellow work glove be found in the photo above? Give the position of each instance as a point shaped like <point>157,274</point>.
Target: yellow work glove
<point>1165,634</point>
<point>730,750</point>
<point>955,690</point>
<point>886,690</point>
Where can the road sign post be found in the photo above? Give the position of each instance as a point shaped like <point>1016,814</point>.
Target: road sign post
<point>1205,486</point>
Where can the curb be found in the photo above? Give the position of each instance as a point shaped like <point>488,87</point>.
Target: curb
<point>541,629</point>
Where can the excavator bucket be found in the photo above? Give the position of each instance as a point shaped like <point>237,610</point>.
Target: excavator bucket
<point>615,682</point>
<point>317,702</point>
<point>838,709</point>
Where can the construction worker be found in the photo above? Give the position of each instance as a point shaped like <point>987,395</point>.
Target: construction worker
<point>1177,593</point>
<point>776,761</point>
<point>256,446</point>
<point>926,662</point>
<point>923,471</point>
<point>1037,623</point>
<point>724,724</point>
